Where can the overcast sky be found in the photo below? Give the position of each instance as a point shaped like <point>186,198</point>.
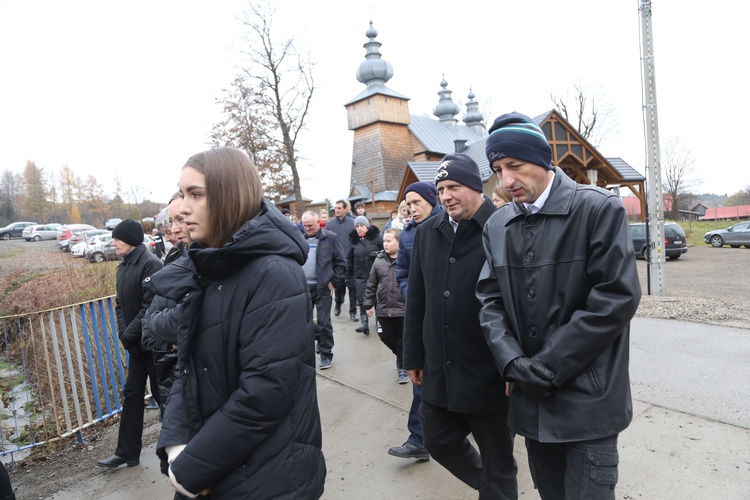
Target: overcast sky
<point>128,89</point>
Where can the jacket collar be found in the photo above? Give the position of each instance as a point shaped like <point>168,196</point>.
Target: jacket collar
<point>559,202</point>
<point>480,217</point>
<point>132,256</point>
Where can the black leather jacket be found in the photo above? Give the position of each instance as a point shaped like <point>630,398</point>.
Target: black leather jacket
<point>561,286</point>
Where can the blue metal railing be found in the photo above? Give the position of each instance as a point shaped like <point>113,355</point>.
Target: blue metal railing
<point>63,371</point>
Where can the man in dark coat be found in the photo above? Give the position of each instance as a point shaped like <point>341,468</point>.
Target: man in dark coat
<point>133,300</point>
<point>444,349</point>
<point>341,225</point>
<point>324,269</point>
<point>422,200</point>
<point>558,292</point>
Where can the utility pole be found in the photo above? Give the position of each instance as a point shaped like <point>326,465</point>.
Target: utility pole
<point>655,222</point>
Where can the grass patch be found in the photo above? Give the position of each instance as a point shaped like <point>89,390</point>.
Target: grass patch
<point>23,293</point>
<point>11,253</point>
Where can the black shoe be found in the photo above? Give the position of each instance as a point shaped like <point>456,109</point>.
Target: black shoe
<point>363,329</point>
<point>115,461</point>
<point>337,310</point>
<point>325,363</point>
<point>408,450</point>
<point>354,316</point>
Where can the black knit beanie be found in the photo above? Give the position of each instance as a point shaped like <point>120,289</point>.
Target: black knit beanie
<point>129,231</point>
<point>517,136</point>
<point>424,189</point>
<point>460,168</point>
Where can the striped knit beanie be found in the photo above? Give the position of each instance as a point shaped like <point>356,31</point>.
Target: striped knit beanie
<point>517,136</point>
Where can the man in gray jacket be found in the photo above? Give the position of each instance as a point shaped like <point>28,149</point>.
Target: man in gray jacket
<point>325,269</point>
<point>558,292</point>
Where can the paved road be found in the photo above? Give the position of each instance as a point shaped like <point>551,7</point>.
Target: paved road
<point>689,437</point>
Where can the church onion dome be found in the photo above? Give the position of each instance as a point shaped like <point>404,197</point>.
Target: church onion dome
<point>375,70</point>
<point>472,116</point>
<point>446,109</point>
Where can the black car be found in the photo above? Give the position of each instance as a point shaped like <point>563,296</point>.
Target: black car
<point>675,241</point>
<point>14,230</point>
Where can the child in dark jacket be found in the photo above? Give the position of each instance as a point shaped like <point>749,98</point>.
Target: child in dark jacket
<point>383,292</point>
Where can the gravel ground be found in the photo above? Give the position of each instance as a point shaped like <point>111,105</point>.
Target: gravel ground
<point>703,286</point>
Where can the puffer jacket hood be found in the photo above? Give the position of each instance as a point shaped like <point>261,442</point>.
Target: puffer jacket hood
<point>255,238</point>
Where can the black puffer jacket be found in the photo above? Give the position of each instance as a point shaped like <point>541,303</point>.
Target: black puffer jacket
<point>245,400</point>
<point>160,332</point>
<point>382,288</point>
<point>362,253</point>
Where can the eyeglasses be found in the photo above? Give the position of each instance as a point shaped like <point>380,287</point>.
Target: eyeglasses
<point>180,221</point>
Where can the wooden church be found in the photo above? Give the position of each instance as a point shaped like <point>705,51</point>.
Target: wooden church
<point>393,148</point>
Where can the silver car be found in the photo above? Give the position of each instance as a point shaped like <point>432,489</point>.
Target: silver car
<point>40,232</point>
<point>735,236</point>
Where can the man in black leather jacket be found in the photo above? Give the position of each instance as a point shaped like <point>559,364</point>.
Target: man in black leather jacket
<point>558,292</point>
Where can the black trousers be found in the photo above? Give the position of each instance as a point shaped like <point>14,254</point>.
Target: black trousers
<point>393,337</point>
<point>321,301</point>
<point>581,469</point>
<point>492,470</point>
<point>340,293</point>
<point>140,366</point>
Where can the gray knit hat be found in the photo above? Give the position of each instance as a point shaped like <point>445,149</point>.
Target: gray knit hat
<point>361,219</point>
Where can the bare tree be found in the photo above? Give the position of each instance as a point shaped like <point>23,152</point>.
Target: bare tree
<point>678,175</point>
<point>34,201</point>
<point>285,81</point>
<point>587,110</point>
<point>69,187</point>
<point>10,188</point>
<point>741,197</point>
<point>250,126</point>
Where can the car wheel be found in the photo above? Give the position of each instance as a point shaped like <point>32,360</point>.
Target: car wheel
<point>37,238</point>
<point>98,257</point>
<point>674,257</point>
<point>5,236</point>
<point>716,241</point>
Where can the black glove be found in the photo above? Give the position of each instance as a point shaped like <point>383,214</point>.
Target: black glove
<point>533,378</point>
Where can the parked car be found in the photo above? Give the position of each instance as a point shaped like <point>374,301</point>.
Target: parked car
<point>39,232</point>
<point>675,241</point>
<point>83,236</point>
<point>67,231</point>
<point>79,249</point>
<point>14,230</point>
<point>735,236</point>
<point>111,223</point>
<point>100,248</point>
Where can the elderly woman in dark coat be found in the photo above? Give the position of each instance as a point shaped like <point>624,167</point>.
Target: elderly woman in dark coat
<point>366,242</point>
<point>242,419</point>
